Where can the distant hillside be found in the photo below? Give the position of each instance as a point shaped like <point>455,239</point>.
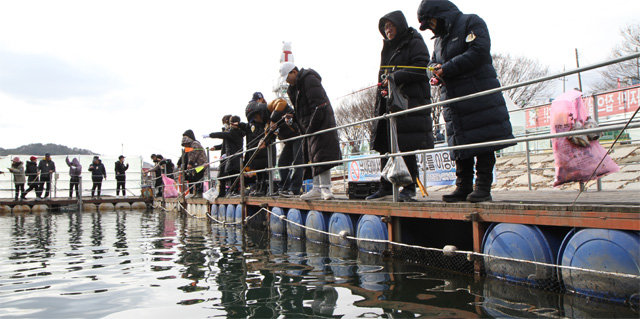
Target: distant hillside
<point>41,149</point>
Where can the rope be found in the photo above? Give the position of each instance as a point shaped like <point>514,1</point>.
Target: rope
<point>467,253</point>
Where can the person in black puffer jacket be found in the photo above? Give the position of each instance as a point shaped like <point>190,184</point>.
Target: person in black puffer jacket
<point>313,113</point>
<point>98,173</point>
<point>32,177</point>
<point>257,117</point>
<point>291,153</point>
<point>462,63</point>
<point>232,143</point>
<point>404,60</point>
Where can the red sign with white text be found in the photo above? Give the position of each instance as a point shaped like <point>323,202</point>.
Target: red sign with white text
<point>610,103</point>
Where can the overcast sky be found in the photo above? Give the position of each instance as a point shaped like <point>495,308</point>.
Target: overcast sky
<point>134,75</point>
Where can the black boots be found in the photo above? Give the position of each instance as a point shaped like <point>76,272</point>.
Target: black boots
<point>465,191</point>
<point>464,181</point>
<point>484,177</point>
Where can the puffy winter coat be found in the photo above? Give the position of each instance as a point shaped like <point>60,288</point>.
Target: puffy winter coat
<point>18,173</point>
<point>406,50</point>
<point>462,47</point>
<point>313,112</point>
<point>196,155</point>
<point>254,131</point>
<point>121,170</point>
<point>285,131</point>
<point>44,167</point>
<point>98,172</point>
<point>32,171</point>
<point>232,145</point>
<point>75,169</point>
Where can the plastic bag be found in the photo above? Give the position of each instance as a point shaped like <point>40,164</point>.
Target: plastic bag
<point>397,101</point>
<point>211,194</point>
<point>396,172</point>
<point>575,163</point>
<point>170,187</point>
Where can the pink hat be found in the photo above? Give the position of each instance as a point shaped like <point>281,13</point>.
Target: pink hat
<point>16,159</point>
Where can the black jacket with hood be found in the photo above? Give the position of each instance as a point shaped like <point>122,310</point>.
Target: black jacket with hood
<point>462,47</point>
<point>31,171</point>
<point>98,172</point>
<point>406,50</point>
<point>254,131</point>
<point>232,144</point>
<point>313,112</point>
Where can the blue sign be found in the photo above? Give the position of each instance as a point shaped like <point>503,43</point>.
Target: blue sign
<point>364,170</point>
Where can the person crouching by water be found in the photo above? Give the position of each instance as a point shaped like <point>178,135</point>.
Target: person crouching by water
<point>121,175</point>
<point>98,173</point>
<point>404,60</point>
<point>18,177</point>
<point>75,171</point>
<point>462,64</point>
<point>313,113</point>
<point>33,179</point>
<point>195,159</point>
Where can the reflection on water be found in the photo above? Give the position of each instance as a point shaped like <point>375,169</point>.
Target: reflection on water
<point>128,264</point>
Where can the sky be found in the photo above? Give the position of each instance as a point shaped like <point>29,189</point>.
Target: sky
<point>131,76</point>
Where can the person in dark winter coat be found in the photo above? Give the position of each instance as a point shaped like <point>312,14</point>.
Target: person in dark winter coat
<point>404,60</point>
<point>257,118</point>
<point>291,153</point>
<point>121,175</point>
<point>462,63</point>
<point>196,163</point>
<point>313,113</point>
<point>18,177</point>
<point>33,179</point>
<point>46,167</point>
<point>75,172</point>
<point>232,144</point>
<point>98,173</point>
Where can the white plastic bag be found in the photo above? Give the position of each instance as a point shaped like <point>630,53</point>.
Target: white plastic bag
<point>211,194</point>
<point>396,171</point>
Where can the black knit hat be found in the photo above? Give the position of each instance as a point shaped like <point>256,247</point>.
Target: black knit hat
<point>189,134</point>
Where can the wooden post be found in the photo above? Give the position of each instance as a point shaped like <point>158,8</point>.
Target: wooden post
<point>478,233</point>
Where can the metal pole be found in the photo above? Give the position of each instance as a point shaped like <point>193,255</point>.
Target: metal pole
<point>526,133</point>
<point>578,66</point>
<point>394,149</point>
<point>596,118</point>
<point>79,190</point>
<point>270,165</point>
<point>208,171</point>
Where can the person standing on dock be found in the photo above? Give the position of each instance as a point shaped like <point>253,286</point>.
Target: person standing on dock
<point>462,65</point>
<point>196,162</point>
<point>32,177</point>
<point>232,143</point>
<point>404,60</point>
<point>46,167</point>
<point>98,173</point>
<point>291,154</point>
<point>75,172</point>
<point>18,177</point>
<point>313,113</point>
<point>257,118</point>
<point>121,175</point>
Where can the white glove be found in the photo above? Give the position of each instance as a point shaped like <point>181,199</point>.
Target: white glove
<point>205,136</point>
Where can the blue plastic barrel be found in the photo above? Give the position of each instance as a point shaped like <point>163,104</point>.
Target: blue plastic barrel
<point>307,185</point>
<point>214,211</point>
<point>341,224</point>
<point>238,214</point>
<point>276,224</point>
<point>231,213</point>
<point>222,212</point>
<point>319,221</point>
<point>525,242</point>
<point>614,251</point>
<point>371,227</point>
<point>295,231</point>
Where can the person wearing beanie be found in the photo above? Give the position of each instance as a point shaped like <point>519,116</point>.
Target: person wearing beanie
<point>313,113</point>
<point>46,167</point>
<point>33,179</point>
<point>462,63</point>
<point>195,161</point>
<point>121,175</point>
<point>75,172</point>
<point>257,118</point>
<point>98,173</point>
<point>404,60</point>
<point>18,177</point>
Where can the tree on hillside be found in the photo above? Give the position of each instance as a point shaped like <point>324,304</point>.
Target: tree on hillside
<point>356,107</point>
<point>41,149</point>
<point>628,71</point>
<point>516,69</point>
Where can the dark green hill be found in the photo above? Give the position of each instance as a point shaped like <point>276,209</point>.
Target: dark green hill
<point>41,149</point>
